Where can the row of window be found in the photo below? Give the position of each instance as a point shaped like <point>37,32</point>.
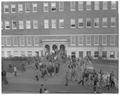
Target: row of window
<point>34,7</point>
<point>73,23</point>
<point>87,40</point>
<point>96,54</point>
<point>81,40</point>
<point>30,53</point>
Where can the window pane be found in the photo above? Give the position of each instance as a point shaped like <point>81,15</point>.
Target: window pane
<point>72,23</point>
<point>53,7</point>
<point>88,40</point>
<point>112,40</point>
<point>80,40</point>
<point>88,22</point>
<point>61,23</point>
<point>88,5</point>
<point>80,5</point>
<point>35,24</point>
<point>96,5</point>
<point>28,24</point>
<point>34,7</point>
<point>22,40</point>
<point>113,5</point>
<point>104,39</point>
<point>13,8</point>
<point>104,22</point>
<point>7,25</point>
<point>72,6</point>
<point>6,9</point>
<point>27,7</point>
<point>113,21</point>
<point>53,21</point>
<point>14,24</point>
<point>46,24</point>
<point>21,25</point>
<point>29,41</point>
<point>73,41</point>
<point>80,22</point>
<point>45,7</point>
<point>96,40</point>
<point>61,6</point>
<point>105,5</point>
<point>96,22</point>
<point>20,7</point>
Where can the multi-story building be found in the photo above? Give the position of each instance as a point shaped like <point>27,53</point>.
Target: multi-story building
<point>82,28</point>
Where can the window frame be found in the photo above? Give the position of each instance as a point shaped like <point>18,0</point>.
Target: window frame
<point>34,7</point>
<point>8,24</point>
<point>88,19</point>
<point>13,6</point>
<point>72,6</point>
<point>6,6</point>
<point>61,23</point>
<point>28,24</point>
<point>80,20</point>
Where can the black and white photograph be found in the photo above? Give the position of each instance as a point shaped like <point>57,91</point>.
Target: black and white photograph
<point>60,47</point>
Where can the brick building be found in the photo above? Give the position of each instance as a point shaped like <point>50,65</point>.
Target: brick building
<point>82,28</point>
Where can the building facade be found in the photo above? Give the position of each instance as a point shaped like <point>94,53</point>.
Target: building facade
<point>81,27</point>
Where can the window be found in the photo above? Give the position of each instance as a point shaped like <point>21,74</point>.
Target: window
<point>80,23</point>
<point>96,54</point>
<point>72,6</point>
<point>104,39</point>
<point>28,25</point>
<point>96,22</point>
<point>105,5</point>
<point>20,7</point>
<point>80,5</point>
<point>14,25</point>
<point>15,41</point>
<point>34,7</point>
<point>112,40</point>
<point>8,41</point>
<point>23,53</point>
<point>15,53</point>
<point>73,41</point>
<point>61,23</point>
<point>45,7</point>
<point>104,22</point>
<point>27,7</point>
<point>72,23</point>
<point>96,40</point>
<point>21,25</point>
<point>53,21</point>
<point>113,5</point>
<point>61,6</point>
<point>104,54</point>
<point>29,53</point>
<point>13,8</point>
<point>35,24</point>
<point>36,41</point>
<point>3,54</point>
<point>81,54</point>
<point>80,40</point>
<point>113,21</point>
<point>88,53</point>
<point>29,40</point>
<point>88,22</point>
<point>46,24</point>
<point>73,54</point>
<point>112,54</point>
<point>88,5</point>
<point>3,41</point>
<point>6,9</point>
<point>22,40</point>
<point>88,40</point>
<point>53,7</point>
<point>7,25</point>
<point>96,5</point>
<point>9,53</point>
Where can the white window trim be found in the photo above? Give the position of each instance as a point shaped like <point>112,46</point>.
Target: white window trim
<point>33,6</point>
<point>71,9</point>
<point>80,20</point>
<point>87,19</point>
<point>61,21</point>
<point>53,23</point>
<point>104,44</point>
<point>12,24</point>
<point>45,5</point>
<point>72,21</point>
<point>28,21</point>
<point>97,22</point>
<point>26,7</point>
<point>105,3</point>
<point>7,41</point>
<point>35,22</point>
<point>90,4</point>
<point>80,3</point>
<point>96,5</point>
<point>71,40</point>
<point>61,10</point>
<point>37,39</point>
<point>113,38</point>
<point>22,38</point>
<point>112,3</point>
<point>14,38</point>
<point>112,22</point>
<point>97,36</point>
<point>46,24</point>
<point>6,6</point>
<point>28,41</point>
<point>21,22</point>
<point>105,22</point>
<point>5,25</point>
<point>88,44</point>
<point>53,5</point>
<point>13,6</point>
<point>20,8</point>
<point>82,37</point>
